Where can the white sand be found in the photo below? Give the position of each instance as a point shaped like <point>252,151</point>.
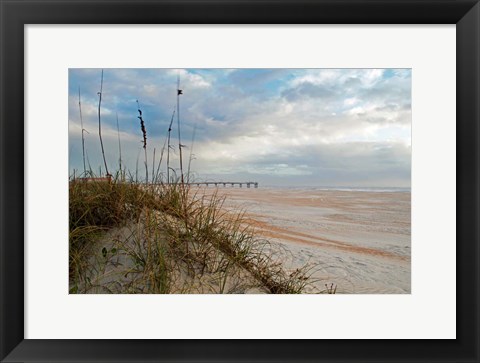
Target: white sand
<point>361,240</point>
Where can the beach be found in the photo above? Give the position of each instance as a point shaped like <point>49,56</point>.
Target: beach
<point>358,240</point>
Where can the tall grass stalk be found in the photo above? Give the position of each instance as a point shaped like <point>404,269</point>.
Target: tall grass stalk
<point>169,146</point>
<point>136,167</point>
<point>83,130</point>
<point>100,123</point>
<point>180,146</point>
<point>144,135</point>
<point>153,167</point>
<point>167,138</point>
<point>160,162</point>
<point>192,155</point>
<point>119,146</point>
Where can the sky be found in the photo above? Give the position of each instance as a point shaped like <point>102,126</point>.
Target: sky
<point>285,127</point>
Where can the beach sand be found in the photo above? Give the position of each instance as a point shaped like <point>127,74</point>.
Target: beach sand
<point>360,240</point>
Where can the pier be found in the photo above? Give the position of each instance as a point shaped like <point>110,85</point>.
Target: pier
<point>232,184</point>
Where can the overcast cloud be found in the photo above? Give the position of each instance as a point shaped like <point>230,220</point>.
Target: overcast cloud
<point>317,127</point>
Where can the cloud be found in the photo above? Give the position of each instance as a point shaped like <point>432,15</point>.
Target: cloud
<point>336,126</point>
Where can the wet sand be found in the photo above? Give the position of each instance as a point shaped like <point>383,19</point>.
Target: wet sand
<point>360,240</point>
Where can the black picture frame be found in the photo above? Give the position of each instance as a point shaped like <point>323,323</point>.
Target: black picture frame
<point>16,13</point>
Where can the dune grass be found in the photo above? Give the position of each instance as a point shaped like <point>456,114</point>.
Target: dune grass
<point>128,237</point>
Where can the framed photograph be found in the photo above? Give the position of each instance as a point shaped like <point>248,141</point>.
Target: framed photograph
<point>239,181</point>
<point>299,172</point>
